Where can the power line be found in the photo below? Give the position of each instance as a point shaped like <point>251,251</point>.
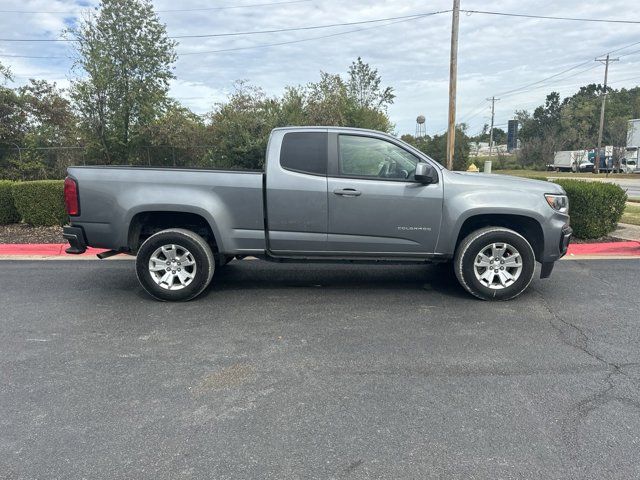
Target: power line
<point>290,42</point>
<point>30,56</point>
<point>477,111</point>
<point>313,27</point>
<point>53,12</point>
<point>549,17</point>
<point>230,7</point>
<point>547,85</point>
<point>544,80</point>
<point>254,32</point>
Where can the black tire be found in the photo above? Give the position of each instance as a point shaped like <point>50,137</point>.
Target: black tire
<point>196,246</point>
<point>474,244</point>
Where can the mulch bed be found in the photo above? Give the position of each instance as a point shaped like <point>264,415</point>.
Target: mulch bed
<point>22,233</point>
<point>605,239</point>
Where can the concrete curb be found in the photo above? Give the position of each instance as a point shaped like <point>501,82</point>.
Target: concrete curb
<point>55,251</point>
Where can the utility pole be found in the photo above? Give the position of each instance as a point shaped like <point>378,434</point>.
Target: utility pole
<point>453,74</point>
<point>493,109</point>
<point>606,60</point>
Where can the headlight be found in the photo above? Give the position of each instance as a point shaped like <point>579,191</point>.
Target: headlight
<point>560,203</point>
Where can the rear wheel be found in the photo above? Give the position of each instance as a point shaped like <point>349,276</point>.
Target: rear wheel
<point>495,263</point>
<point>175,265</point>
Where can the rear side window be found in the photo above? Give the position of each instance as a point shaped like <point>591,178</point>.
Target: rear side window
<point>305,152</point>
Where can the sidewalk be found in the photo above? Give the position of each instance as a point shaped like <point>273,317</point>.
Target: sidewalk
<point>627,231</point>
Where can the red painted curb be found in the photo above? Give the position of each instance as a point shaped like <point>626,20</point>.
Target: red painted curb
<point>609,248</point>
<point>45,249</point>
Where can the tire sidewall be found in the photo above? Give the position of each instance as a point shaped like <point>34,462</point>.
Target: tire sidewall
<point>186,239</point>
<point>471,250</point>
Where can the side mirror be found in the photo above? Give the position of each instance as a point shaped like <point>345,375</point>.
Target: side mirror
<point>425,173</point>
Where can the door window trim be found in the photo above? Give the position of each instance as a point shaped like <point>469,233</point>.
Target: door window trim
<point>335,160</point>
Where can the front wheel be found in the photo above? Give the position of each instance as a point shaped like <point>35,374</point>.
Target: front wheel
<point>175,265</point>
<point>495,263</point>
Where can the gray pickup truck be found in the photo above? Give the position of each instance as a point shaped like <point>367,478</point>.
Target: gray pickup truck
<point>326,194</point>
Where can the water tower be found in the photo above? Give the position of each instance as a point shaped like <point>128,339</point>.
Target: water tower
<point>421,129</point>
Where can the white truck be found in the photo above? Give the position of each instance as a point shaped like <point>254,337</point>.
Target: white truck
<point>572,161</point>
<point>629,162</point>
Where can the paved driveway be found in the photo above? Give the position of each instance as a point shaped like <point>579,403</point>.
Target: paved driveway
<point>631,185</point>
<point>320,371</point>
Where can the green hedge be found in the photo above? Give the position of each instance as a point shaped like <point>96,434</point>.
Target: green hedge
<point>8,212</point>
<point>595,207</point>
<point>40,202</point>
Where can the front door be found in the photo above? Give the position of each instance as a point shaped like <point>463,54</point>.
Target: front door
<point>375,205</point>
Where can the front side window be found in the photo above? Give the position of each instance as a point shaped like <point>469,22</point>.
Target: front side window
<point>375,158</point>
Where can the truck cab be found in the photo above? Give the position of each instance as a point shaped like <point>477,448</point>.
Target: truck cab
<point>349,192</point>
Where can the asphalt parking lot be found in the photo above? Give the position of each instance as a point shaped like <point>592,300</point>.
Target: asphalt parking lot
<point>318,371</point>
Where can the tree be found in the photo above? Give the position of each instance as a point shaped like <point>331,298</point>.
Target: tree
<point>177,137</point>
<point>126,59</point>
<point>364,87</point>
<point>5,73</point>
<point>541,133</point>
<point>240,127</point>
<point>327,102</point>
<point>499,135</point>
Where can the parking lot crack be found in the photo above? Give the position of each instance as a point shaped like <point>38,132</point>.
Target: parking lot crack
<point>613,388</point>
<point>572,335</point>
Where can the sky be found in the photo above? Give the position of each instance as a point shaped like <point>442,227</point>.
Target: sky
<point>496,56</point>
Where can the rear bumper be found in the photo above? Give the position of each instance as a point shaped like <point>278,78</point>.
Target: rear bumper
<point>77,241</point>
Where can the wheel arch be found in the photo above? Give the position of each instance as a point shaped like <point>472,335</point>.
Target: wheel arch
<point>145,222</point>
<point>528,227</point>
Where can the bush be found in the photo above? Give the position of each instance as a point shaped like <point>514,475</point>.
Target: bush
<point>8,212</point>
<point>595,207</point>
<point>40,202</point>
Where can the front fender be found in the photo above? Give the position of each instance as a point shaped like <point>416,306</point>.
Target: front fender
<point>461,206</point>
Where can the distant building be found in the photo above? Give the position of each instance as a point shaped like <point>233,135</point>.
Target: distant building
<point>481,149</point>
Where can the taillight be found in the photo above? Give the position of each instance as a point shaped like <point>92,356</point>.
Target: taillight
<point>71,196</point>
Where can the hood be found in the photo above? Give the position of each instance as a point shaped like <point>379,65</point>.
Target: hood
<point>498,182</point>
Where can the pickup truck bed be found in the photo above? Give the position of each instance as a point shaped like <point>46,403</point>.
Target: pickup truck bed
<point>112,198</point>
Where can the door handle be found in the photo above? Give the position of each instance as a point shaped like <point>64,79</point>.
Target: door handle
<point>347,192</point>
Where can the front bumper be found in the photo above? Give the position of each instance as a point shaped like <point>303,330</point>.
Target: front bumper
<point>77,241</point>
<point>565,238</point>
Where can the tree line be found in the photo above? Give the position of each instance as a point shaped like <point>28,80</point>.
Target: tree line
<point>572,123</point>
